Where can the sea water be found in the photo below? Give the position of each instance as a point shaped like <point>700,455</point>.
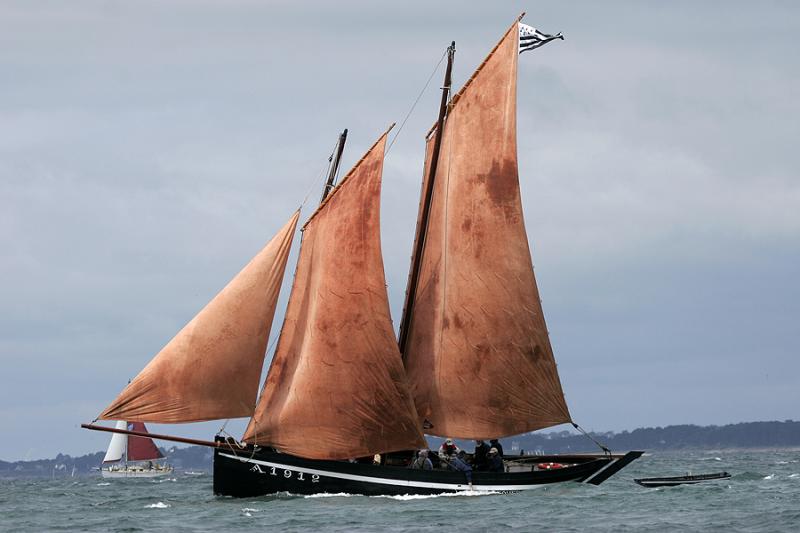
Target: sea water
<point>762,495</point>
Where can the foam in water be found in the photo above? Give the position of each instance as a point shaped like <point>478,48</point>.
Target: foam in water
<point>771,476</point>
<point>329,495</point>
<point>105,484</point>
<point>159,505</point>
<point>792,476</point>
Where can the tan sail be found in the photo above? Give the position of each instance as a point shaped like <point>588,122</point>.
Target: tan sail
<point>478,356</point>
<point>211,368</point>
<point>336,388</point>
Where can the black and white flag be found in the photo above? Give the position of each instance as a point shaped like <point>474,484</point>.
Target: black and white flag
<point>530,38</point>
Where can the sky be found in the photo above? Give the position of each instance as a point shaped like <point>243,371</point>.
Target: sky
<point>149,149</point>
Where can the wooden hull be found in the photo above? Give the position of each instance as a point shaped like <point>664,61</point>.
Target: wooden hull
<point>251,474</point>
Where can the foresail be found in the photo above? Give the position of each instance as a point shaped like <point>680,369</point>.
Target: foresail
<point>116,448</point>
<point>211,368</point>
<point>336,388</point>
<point>478,356</point>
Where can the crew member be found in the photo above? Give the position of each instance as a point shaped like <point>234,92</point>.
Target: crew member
<point>494,461</point>
<point>422,462</point>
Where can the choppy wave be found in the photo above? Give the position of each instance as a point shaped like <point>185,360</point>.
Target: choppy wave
<point>157,505</point>
<point>746,502</point>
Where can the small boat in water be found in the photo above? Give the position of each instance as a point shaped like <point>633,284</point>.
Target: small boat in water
<point>681,480</point>
<point>132,456</point>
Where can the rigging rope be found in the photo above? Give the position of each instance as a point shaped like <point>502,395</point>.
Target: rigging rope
<point>321,174</point>
<point>604,448</point>
<point>414,105</point>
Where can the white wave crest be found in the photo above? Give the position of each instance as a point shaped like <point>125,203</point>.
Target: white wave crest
<point>771,476</point>
<point>250,510</point>
<point>792,476</point>
<point>159,505</point>
<point>330,495</point>
<point>104,484</point>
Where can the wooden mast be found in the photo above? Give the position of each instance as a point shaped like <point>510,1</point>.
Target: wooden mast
<point>416,260</point>
<point>335,158</point>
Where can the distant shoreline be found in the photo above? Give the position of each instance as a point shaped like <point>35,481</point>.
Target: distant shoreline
<point>751,437</point>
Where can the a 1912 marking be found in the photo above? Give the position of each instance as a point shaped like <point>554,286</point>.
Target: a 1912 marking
<point>285,472</point>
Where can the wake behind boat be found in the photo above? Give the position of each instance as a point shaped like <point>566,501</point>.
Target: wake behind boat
<point>473,359</point>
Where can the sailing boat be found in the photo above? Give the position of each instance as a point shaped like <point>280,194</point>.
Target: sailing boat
<point>473,359</point>
<point>132,456</point>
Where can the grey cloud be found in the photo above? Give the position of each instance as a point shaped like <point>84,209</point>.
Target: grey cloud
<point>148,149</point>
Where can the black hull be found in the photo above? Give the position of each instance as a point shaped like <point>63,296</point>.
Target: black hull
<point>681,480</point>
<point>250,474</point>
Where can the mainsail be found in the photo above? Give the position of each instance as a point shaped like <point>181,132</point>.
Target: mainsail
<point>210,369</point>
<point>478,356</point>
<point>141,448</point>
<point>336,387</point>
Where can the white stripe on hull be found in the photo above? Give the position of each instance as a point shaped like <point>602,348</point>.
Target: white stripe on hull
<point>672,483</point>
<point>385,481</point>
<point>588,479</point>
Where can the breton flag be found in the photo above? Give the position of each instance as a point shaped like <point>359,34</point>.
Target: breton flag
<point>530,38</point>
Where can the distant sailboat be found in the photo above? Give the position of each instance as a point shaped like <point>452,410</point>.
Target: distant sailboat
<point>473,359</point>
<point>131,456</point>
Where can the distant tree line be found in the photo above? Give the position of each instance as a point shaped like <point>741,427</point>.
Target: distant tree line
<point>189,458</point>
<point>744,435</point>
<point>784,434</point>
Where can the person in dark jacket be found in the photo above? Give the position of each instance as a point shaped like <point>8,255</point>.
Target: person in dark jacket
<point>494,443</point>
<point>422,462</point>
<point>459,463</point>
<point>479,457</point>
<point>494,461</point>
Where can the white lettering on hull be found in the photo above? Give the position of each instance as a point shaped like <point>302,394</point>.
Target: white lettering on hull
<point>289,470</point>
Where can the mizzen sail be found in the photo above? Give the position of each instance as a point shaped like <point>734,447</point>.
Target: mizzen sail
<point>478,356</point>
<point>210,369</point>
<point>336,387</point>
